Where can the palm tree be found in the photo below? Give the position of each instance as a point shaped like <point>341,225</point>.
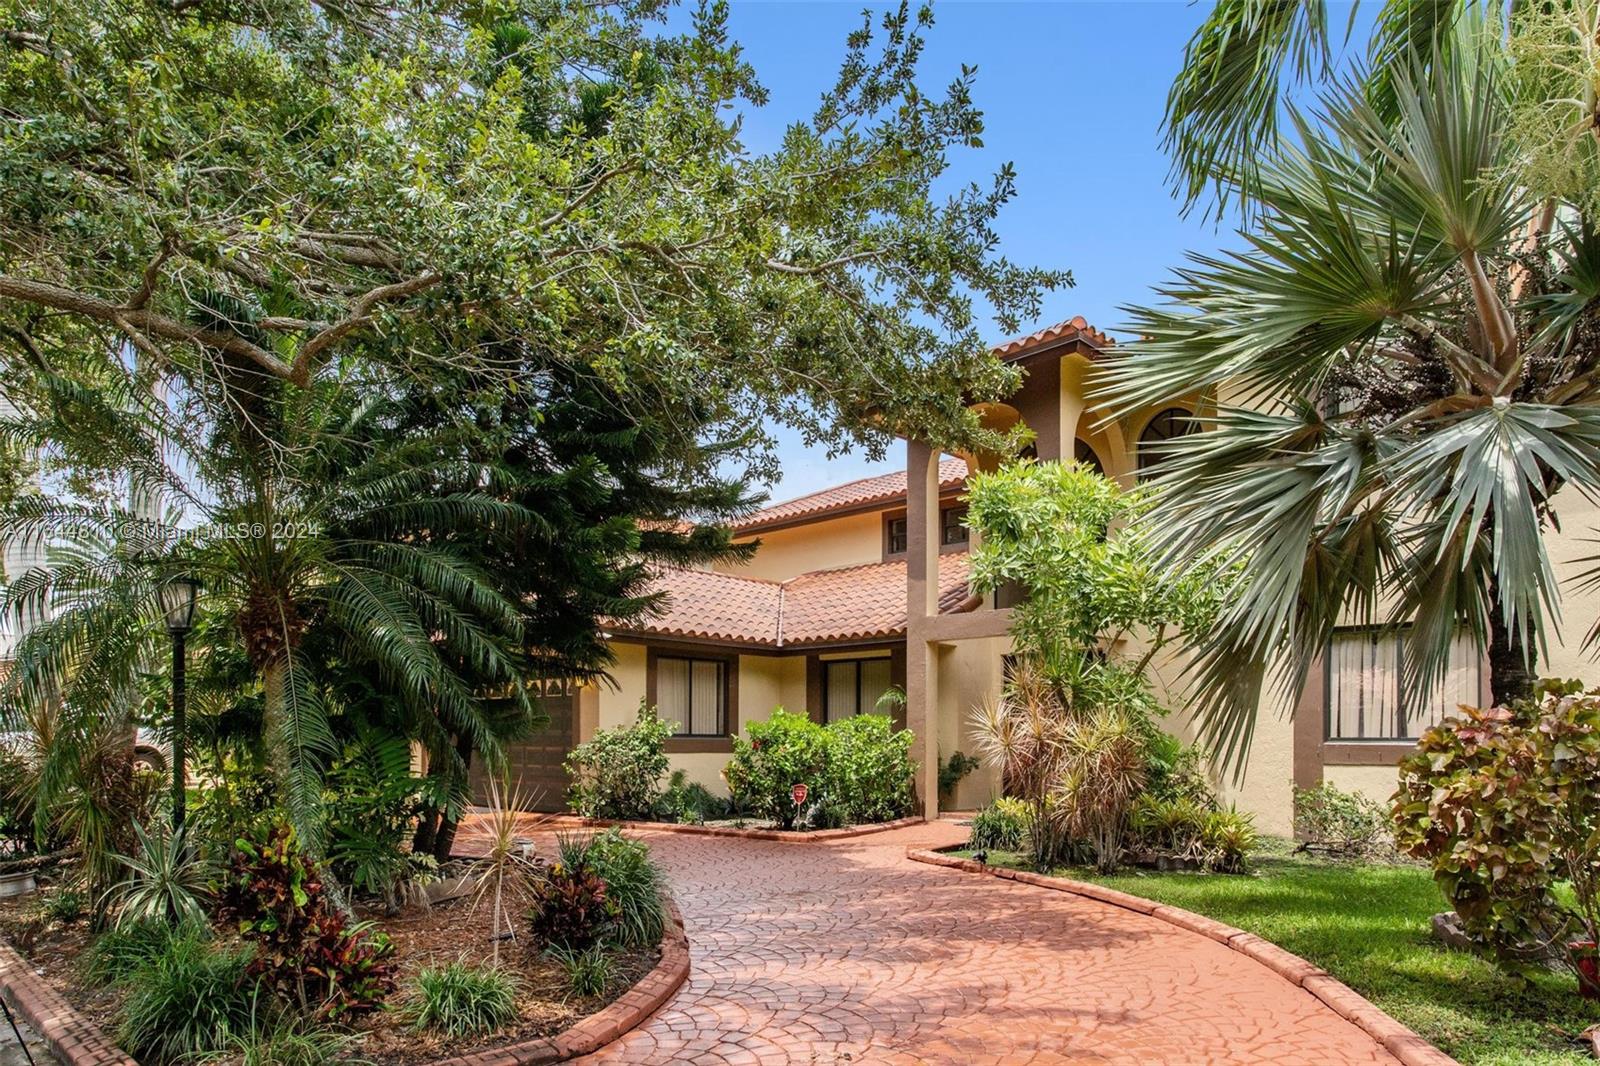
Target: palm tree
<point>319,536</point>
<point>1416,333</point>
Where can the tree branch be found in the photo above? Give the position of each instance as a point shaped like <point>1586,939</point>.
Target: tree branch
<point>44,294</point>
<point>360,314</point>
<point>589,190</point>
<point>821,268</point>
<point>1473,370</point>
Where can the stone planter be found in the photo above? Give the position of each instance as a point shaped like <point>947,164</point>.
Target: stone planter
<point>21,883</point>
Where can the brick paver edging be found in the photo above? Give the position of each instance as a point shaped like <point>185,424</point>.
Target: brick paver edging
<point>815,836</point>
<point>602,1027</point>
<point>1398,1040</point>
<point>70,1036</point>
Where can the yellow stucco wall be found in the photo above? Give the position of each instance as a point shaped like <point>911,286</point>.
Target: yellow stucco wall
<point>847,541</point>
<point>969,675</point>
<point>765,682</point>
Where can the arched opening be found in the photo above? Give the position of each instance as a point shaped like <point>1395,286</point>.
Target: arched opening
<point>1167,425</point>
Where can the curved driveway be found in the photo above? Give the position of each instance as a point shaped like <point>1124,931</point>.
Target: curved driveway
<point>849,952</point>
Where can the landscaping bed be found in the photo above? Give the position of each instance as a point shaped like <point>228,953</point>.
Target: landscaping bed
<point>423,937</point>
<point>1367,924</point>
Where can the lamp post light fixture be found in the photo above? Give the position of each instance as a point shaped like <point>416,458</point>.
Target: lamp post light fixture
<point>178,598</point>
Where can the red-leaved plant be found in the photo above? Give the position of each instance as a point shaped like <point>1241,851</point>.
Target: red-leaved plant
<point>1503,803</point>
<point>306,951</point>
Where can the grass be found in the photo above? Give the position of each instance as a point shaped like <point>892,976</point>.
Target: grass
<point>1367,925</point>
<point>462,1000</point>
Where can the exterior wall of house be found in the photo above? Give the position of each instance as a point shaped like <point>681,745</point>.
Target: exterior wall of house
<point>847,541</point>
<point>969,675</point>
<point>764,682</point>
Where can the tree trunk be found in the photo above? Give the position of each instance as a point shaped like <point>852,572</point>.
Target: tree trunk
<point>428,821</point>
<point>446,838</point>
<point>1511,673</point>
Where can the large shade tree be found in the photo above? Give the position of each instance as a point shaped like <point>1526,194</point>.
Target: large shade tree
<point>1412,336</point>
<point>441,179</point>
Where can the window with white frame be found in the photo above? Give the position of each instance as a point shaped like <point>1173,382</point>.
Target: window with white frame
<point>853,686</point>
<point>694,694</point>
<point>1366,700</point>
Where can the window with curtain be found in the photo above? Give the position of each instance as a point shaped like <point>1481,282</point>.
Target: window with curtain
<point>693,693</point>
<point>853,686</point>
<point>1366,700</point>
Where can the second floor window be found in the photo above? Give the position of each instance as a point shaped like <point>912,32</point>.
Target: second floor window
<point>694,694</point>
<point>953,525</point>
<point>897,535</point>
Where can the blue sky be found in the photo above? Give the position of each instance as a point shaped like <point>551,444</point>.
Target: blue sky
<point>1072,93</point>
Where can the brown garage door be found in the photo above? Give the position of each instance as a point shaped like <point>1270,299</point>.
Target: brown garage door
<point>535,762</point>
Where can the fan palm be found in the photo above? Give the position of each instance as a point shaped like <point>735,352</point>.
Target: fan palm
<point>320,538</point>
<point>1421,377</point>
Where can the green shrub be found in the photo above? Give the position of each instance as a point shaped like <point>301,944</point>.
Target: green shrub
<point>373,801</point>
<point>1341,823</point>
<point>952,771</point>
<point>309,954</point>
<point>1177,771</point>
<point>689,802</point>
<point>633,883</point>
<point>1227,838</point>
<point>461,999</point>
<point>185,999</point>
<point>117,954</point>
<point>1173,826</point>
<point>278,1038</point>
<point>571,907</point>
<point>617,773</point>
<point>771,758</point>
<point>65,905</point>
<point>1001,826</point>
<point>1504,803</point>
<point>868,774</point>
<point>589,972</point>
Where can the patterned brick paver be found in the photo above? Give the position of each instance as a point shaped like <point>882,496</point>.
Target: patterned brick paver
<point>847,952</point>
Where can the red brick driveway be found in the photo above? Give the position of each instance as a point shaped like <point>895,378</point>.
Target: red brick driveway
<point>848,952</point>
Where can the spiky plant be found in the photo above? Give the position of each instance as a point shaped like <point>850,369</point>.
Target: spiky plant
<point>1412,340</point>
<point>321,537</point>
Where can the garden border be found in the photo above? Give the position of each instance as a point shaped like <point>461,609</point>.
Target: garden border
<point>626,1013</point>
<point>1345,1001</point>
<point>77,1042</point>
<point>815,836</point>
<point>69,1035</point>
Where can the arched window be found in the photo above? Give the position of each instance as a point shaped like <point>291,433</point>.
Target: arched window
<point>1167,425</point>
<point>1085,454</point>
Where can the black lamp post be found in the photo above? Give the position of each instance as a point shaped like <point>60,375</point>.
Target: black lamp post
<point>178,598</point>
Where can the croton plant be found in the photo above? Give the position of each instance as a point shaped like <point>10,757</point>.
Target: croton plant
<point>1504,804</point>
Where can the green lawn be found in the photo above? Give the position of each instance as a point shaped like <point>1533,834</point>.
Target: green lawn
<point>1368,926</point>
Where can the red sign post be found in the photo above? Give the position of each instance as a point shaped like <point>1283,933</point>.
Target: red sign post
<point>798,793</point>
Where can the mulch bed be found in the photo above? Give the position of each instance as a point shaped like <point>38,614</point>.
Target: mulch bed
<point>435,936</point>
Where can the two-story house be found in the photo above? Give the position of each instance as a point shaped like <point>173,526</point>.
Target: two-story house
<point>864,586</point>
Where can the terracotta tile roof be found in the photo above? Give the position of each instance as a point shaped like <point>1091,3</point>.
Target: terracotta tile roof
<point>860,602</point>
<point>820,607</point>
<point>1078,325</point>
<point>715,606</point>
<point>884,488</point>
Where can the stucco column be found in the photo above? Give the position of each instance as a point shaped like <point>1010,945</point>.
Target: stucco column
<point>922,601</point>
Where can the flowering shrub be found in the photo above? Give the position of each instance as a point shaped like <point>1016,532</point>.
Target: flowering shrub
<point>1503,803</point>
<point>771,758</point>
<point>617,773</point>
<point>306,951</point>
